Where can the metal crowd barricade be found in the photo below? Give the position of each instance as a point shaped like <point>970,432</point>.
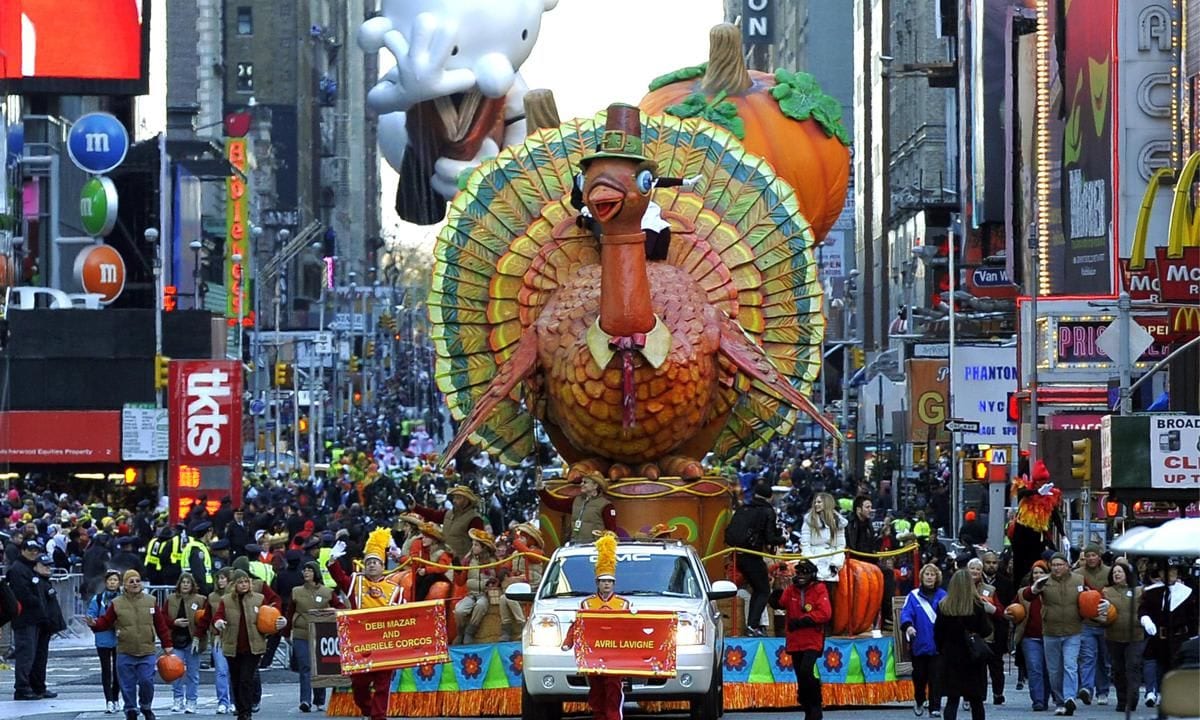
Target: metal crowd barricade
<point>73,606</point>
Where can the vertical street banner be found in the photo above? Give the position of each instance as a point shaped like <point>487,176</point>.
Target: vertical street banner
<point>396,636</point>
<point>982,378</point>
<point>205,458</point>
<point>238,275</point>
<point>928,399</point>
<point>1080,162</point>
<point>618,643</point>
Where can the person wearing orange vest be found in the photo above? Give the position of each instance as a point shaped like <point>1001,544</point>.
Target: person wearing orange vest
<point>370,588</point>
<point>605,693</point>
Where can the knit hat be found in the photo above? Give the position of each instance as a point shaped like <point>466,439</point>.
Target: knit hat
<point>377,544</point>
<point>606,557</point>
<point>1041,565</point>
<point>130,573</point>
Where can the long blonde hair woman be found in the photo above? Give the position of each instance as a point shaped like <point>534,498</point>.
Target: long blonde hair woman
<point>823,537</point>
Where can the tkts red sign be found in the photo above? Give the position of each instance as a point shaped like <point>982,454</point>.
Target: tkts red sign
<point>206,433</point>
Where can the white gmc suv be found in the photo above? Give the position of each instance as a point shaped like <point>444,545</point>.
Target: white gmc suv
<point>655,576</point>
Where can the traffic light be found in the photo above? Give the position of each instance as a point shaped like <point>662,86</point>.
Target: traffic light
<point>858,356</point>
<point>283,375</point>
<point>979,469</point>
<point>370,349</point>
<point>388,322</point>
<point>162,372</point>
<point>303,424</point>
<point>170,292</point>
<point>1081,461</point>
<point>355,363</point>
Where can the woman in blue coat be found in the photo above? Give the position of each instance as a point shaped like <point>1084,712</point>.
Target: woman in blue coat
<point>917,618</point>
<point>106,640</point>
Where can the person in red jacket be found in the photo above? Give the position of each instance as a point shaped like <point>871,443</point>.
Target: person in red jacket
<point>806,606</point>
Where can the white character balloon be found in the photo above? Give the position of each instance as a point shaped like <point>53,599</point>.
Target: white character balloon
<point>454,97</point>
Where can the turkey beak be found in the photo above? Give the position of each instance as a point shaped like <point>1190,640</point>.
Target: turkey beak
<point>605,200</point>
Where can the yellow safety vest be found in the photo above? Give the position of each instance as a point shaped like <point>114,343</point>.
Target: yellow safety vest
<point>177,552</point>
<point>197,545</point>
<point>323,562</point>
<point>921,529</point>
<point>152,560</point>
<point>262,571</point>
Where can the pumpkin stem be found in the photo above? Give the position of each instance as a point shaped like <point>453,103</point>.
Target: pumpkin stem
<point>540,110</point>
<point>726,69</point>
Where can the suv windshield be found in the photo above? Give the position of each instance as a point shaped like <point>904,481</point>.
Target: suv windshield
<point>637,574</point>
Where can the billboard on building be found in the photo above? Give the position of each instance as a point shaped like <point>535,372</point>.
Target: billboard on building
<point>1079,163</point>
<point>97,47</point>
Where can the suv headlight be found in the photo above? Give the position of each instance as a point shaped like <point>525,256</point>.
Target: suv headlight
<point>689,630</point>
<point>545,631</point>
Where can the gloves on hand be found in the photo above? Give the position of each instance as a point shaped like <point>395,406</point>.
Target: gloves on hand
<point>195,645</point>
<point>220,625</point>
<point>280,623</point>
<point>793,624</point>
<point>691,182</point>
<point>910,633</point>
<point>338,551</point>
<point>1149,626</point>
<point>1046,489</point>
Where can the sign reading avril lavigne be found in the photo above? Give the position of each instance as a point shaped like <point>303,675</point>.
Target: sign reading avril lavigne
<point>396,636</point>
<point>618,643</point>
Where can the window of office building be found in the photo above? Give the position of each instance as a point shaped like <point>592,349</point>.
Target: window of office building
<point>245,21</point>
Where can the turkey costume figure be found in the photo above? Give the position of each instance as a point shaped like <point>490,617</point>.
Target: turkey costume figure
<point>636,368</point>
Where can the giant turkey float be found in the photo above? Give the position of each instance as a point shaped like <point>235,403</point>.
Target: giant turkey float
<point>640,365</point>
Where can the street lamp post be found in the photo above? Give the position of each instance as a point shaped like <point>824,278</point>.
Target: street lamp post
<point>256,360</point>
<point>152,235</point>
<point>850,291</point>
<point>195,245</point>
<point>282,241</point>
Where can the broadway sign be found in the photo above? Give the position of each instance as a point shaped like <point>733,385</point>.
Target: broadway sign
<point>617,643</point>
<point>396,636</point>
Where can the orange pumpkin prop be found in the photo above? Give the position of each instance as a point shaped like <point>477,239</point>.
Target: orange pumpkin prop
<point>1089,604</point>
<point>170,668</point>
<point>784,118</point>
<point>857,598</point>
<point>1112,614</point>
<point>201,614</point>
<point>1016,612</point>
<point>267,615</point>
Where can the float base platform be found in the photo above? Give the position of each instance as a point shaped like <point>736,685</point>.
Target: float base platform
<point>485,680</point>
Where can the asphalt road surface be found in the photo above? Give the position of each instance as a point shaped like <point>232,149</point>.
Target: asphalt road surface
<point>75,675</point>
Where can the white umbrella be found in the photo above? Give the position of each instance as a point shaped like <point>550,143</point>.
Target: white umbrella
<point>1174,537</point>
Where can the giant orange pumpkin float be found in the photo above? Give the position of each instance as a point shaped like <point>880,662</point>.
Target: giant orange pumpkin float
<point>857,598</point>
<point>784,118</point>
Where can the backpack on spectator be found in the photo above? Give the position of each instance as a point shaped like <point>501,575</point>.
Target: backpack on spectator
<point>745,530</point>
<point>10,607</point>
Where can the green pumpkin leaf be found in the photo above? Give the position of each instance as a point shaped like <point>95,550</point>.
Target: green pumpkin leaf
<point>717,111</point>
<point>801,98</point>
<point>680,75</point>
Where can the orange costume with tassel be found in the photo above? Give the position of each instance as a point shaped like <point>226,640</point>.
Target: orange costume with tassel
<point>606,695</point>
<point>1037,514</point>
<point>372,690</point>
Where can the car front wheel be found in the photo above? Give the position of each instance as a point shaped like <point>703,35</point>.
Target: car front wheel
<point>709,705</point>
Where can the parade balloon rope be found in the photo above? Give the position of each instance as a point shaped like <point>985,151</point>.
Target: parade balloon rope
<point>795,556</point>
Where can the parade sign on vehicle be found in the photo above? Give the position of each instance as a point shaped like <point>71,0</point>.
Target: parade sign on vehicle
<point>396,636</point>
<point>982,378</point>
<point>618,643</point>
<point>205,399</point>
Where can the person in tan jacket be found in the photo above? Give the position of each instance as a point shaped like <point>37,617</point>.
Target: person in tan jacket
<point>311,597</point>
<point>241,642</point>
<point>1124,637</point>
<point>187,637</point>
<point>1062,629</point>
<point>137,621</point>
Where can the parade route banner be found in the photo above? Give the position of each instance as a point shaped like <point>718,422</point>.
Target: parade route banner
<point>396,636</point>
<point>618,643</point>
